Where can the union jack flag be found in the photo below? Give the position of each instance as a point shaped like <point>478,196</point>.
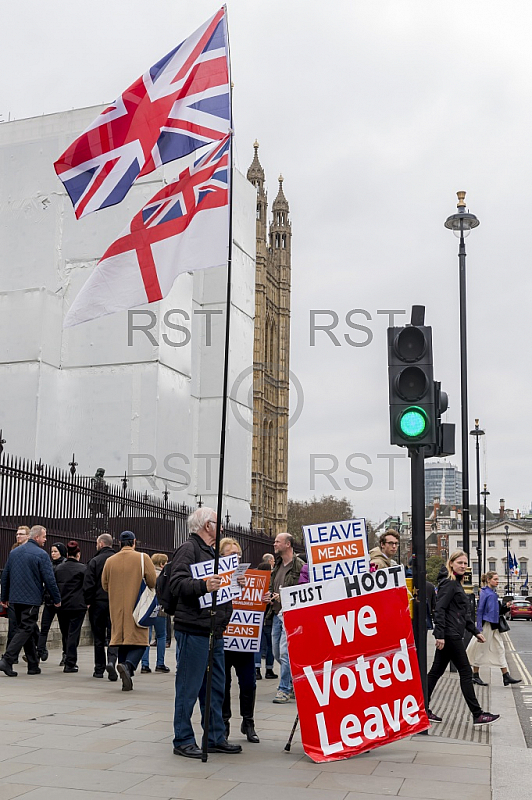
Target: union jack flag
<point>184,227</point>
<point>181,104</point>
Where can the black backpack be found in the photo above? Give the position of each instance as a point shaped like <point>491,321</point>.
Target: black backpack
<point>167,600</point>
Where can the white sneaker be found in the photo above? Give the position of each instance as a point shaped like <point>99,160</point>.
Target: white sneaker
<point>281,697</point>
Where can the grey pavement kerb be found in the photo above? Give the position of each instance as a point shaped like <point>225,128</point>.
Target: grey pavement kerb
<point>511,760</point>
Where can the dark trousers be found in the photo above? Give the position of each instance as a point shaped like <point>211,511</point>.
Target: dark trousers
<point>48,616</point>
<point>100,622</point>
<point>12,623</point>
<point>244,664</point>
<point>454,652</point>
<point>192,654</point>
<point>130,654</point>
<point>25,635</point>
<point>70,623</point>
<point>266,648</point>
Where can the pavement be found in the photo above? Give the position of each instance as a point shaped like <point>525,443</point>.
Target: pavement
<point>73,737</point>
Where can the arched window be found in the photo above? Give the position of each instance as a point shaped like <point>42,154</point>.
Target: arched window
<point>273,450</point>
<point>277,241</point>
<point>266,447</point>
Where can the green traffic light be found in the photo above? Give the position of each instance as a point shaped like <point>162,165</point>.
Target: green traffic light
<point>413,422</point>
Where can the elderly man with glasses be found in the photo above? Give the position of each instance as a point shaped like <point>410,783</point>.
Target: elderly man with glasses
<point>384,554</point>
<point>192,625</point>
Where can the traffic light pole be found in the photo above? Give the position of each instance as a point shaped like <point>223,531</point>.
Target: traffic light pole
<point>419,566</point>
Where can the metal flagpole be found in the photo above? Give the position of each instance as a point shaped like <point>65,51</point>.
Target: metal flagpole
<point>208,687</point>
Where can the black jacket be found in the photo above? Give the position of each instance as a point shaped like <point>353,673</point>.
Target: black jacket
<point>452,615</point>
<point>69,576</point>
<point>189,617</point>
<point>48,599</point>
<point>93,591</point>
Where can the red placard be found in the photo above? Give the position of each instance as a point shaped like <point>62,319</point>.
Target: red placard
<point>354,663</point>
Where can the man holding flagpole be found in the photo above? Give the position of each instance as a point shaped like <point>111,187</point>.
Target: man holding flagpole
<point>192,628</point>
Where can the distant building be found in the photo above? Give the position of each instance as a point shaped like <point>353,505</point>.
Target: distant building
<point>444,481</point>
<point>271,358</point>
<point>502,537</point>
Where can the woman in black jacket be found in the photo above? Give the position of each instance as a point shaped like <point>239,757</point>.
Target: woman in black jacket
<point>451,618</point>
<point>69,577</point>
<point>58,554</point>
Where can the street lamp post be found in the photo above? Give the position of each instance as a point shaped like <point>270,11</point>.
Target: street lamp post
<point>477,432</point>
<point>506,528</point>
<point>461,224</point>
<point>485,493</point>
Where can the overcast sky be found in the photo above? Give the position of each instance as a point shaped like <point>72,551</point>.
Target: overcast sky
<point>376,113</point>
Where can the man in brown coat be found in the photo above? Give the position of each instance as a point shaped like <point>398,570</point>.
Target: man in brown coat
<point>384,555</point>
<point>121,578</point>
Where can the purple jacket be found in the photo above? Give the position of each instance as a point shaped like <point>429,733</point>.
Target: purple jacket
<point>488,607</point>
<point>303,575</point>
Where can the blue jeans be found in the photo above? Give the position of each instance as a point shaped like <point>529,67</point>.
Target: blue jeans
<point>280,652</point>
<point>192,655</point>
<point>159,625</point>
<point>265,647</point>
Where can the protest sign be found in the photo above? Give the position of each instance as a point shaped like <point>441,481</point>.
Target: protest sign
<point>226,567</point>
<point>336,549</point>
<point>354,664</point>
<point>244,630</point>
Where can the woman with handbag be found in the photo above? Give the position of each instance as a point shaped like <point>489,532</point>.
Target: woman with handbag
<point>123,576</point>
<point>490,620</point>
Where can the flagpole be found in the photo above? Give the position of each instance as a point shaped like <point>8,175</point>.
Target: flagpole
<point>208,687</point>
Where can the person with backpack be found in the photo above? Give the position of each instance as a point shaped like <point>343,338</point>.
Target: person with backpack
<point>192,624</point>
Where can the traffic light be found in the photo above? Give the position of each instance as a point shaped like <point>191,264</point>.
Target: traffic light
<point>411,386</point>
<point>445,431</point>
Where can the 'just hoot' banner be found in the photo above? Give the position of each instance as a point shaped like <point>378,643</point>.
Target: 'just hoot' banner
<point>354,663</point>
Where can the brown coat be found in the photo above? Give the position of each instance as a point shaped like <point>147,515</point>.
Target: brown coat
<point>121,579</point>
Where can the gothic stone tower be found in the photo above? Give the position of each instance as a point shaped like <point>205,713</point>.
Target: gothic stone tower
<point>271,358</point>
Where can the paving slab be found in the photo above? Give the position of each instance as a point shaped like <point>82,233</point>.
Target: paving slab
<point>442,790</point>
<point>70,778</point>
<point>422,772</point>
<point>8,791</point>
<point>189,789</point>
<point>370,784</point>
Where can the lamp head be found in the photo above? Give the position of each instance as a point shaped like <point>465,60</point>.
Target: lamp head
<point>461,224</point>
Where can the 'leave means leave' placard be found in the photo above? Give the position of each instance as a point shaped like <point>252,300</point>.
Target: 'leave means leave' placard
<point>336,549</point>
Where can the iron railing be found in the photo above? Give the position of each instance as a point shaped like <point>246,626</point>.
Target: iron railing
<point>72,506</point>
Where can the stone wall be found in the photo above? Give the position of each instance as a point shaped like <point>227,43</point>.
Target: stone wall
<point>54,637</point>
